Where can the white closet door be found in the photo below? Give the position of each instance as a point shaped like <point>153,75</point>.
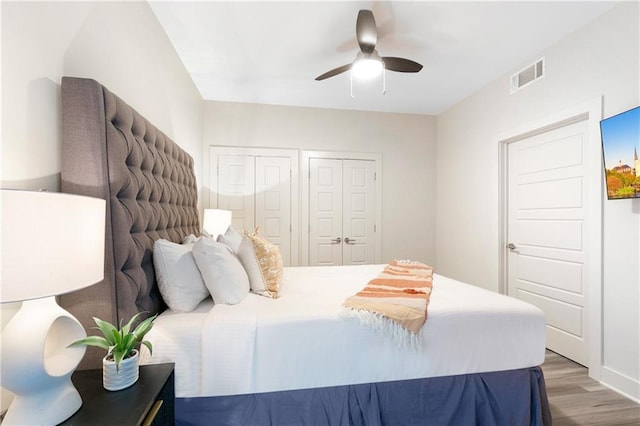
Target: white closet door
<point>358,184</point>
<point>236,182</point>
<point>273,202</point>
<point>325,211</point>
<point>341,212</point>
<point>259,186</point>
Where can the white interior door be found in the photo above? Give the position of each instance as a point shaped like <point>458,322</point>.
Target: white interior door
<point>358,212</point>
<point>273,202</point>
<point>341,211</point>
<point>325,211</point>
<point>548,243</point>
<point>235,189</point>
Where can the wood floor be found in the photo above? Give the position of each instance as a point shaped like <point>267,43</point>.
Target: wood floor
<point>575,399</point>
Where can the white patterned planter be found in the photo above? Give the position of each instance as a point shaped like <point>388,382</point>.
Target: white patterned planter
<point>124,376</point>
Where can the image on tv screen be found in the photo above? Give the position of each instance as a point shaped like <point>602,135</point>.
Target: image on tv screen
<point>620,148</point>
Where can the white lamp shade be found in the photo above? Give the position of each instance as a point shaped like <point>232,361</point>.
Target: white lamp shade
<point>216,221</point>
<point>52,243</point>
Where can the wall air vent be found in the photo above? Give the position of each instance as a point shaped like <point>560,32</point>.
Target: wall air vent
<point>527,76</point>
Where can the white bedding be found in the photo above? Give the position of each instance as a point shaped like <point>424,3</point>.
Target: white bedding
<point>300,341</point>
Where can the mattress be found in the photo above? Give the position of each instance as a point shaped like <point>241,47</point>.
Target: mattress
<point>302,341</point>
<point>176,337</point>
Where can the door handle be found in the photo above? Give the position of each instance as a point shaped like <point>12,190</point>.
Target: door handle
<point>349,240</point>
<point>336,240</point>
<point>511,246</point>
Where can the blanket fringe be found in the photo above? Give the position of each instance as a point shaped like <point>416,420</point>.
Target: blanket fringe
<point>380,324</point>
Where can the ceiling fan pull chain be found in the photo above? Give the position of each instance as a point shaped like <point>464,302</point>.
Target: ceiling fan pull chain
<point>384,79</point>
<point>351,83</point>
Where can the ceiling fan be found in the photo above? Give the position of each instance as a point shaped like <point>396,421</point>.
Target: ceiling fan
<point>367,61</point>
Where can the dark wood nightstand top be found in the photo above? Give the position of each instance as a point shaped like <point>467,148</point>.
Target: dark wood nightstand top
<point>124,407</point>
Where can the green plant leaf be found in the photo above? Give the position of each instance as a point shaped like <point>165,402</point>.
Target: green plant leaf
<point>127,327</point>
<point>144,327</point>
<point>128,343</point>
<point>110,350</point>
<point>116,337</point>
<point>107,329</point>
<point>117,358</point>
<point>148,345</point>
<point>97,341</point>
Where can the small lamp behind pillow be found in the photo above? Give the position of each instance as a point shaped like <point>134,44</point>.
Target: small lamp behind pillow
<point>216,221</point>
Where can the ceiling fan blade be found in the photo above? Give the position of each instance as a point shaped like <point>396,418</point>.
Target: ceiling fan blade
<point>401,64</point>
<point>366,31</point>
<point>334,72</point>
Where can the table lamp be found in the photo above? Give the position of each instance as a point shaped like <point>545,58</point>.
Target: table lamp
<point>52,243</point>
<point>216,221</point>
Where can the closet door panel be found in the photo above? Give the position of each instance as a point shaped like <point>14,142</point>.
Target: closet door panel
<point>358,188</point>
<point>236,181</point>
<point>325,212</point>
<point>273,202</point>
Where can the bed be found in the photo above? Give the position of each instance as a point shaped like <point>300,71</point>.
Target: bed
<point>295,360</point>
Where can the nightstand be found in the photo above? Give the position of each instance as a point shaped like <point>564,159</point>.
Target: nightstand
<point>149,401</point>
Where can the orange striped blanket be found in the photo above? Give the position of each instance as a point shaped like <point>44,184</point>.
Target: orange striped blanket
<point>400,293</point>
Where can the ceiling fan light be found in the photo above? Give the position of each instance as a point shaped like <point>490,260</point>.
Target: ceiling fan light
<point>366,68</point>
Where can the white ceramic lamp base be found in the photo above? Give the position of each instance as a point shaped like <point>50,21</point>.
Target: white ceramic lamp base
<point>37,365</point>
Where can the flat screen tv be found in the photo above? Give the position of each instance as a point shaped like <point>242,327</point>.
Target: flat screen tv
<point>620,149</point>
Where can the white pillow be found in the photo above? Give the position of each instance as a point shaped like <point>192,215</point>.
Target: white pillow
<point>190,239</point>
<point>178,276</point>
<point>222,272</point>
<point>263,262</point>
<point>231,238</point>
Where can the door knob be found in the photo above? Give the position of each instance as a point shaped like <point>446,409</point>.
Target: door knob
<point>349,240</point>
<point>511,246</point>
<point>336,240</point>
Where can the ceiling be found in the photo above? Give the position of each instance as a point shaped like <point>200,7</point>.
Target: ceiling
<point>270,52</point>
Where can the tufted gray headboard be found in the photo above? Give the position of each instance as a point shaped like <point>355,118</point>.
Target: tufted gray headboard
<point>111,152</point>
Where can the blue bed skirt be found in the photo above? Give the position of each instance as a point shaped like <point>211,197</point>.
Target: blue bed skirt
<point>516,397</point>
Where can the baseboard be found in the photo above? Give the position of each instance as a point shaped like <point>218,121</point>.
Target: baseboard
<point>624,385</point>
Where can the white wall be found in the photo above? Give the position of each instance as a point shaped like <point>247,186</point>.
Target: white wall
<point>600,59</point>
<point>406,142</point>
<point>119,44</point>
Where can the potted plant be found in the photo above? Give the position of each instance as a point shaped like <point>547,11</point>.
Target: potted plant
<point>120,365</point>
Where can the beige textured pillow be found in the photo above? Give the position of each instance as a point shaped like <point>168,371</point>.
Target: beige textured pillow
<point>263,262</point>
